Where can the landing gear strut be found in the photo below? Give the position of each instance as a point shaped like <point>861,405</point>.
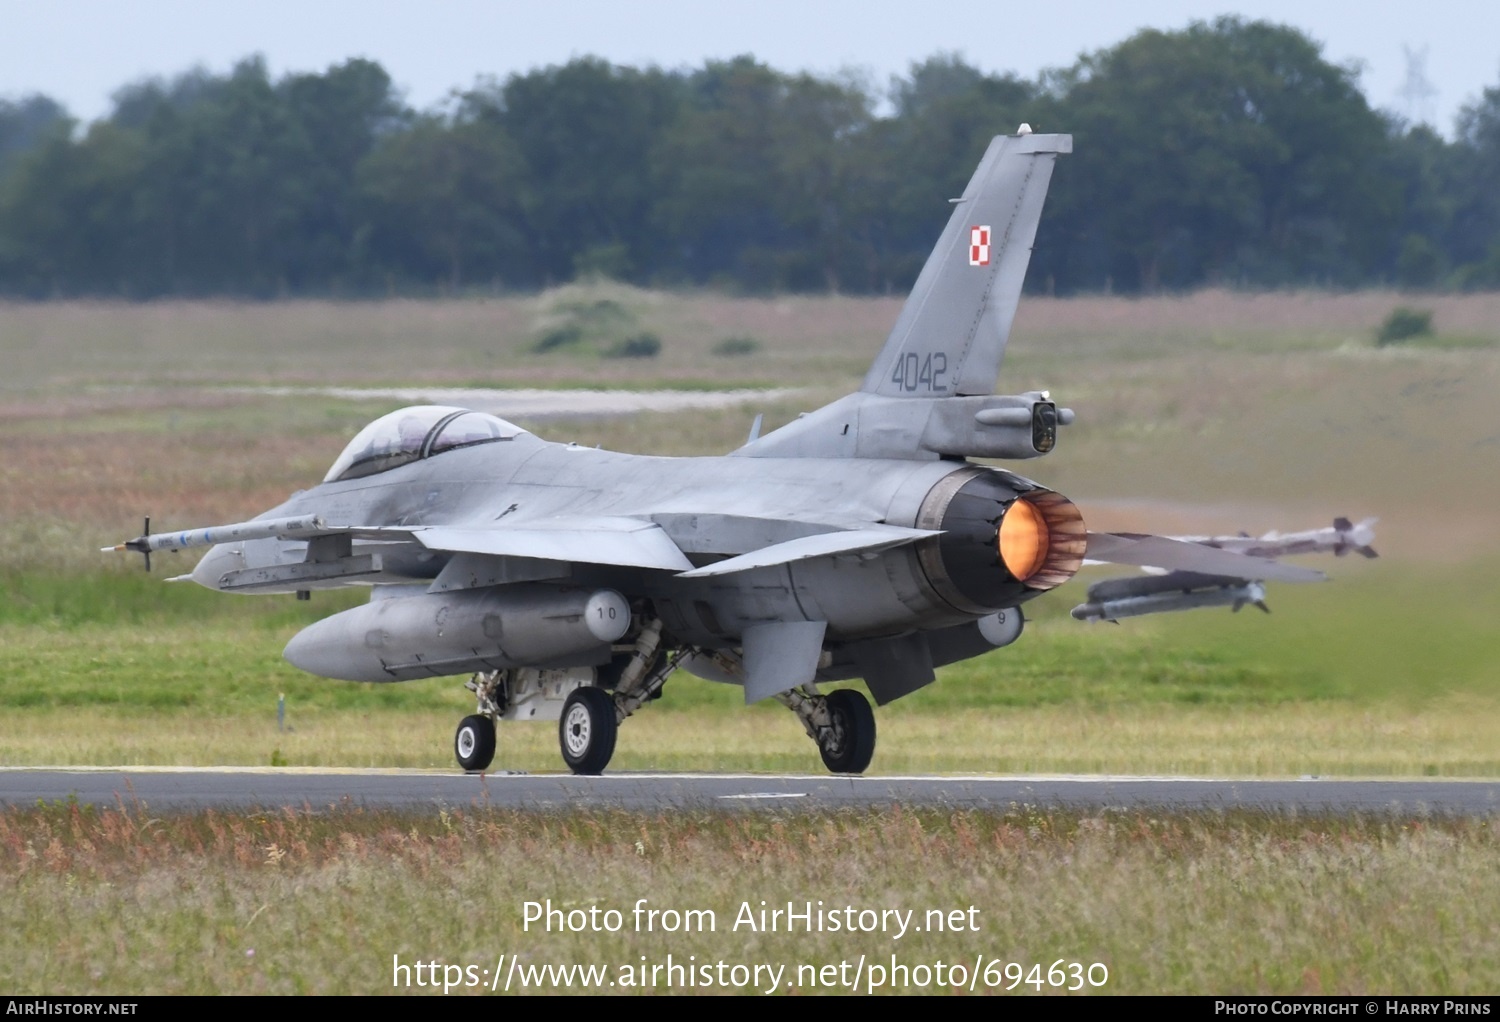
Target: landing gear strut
<point>595,703</point>
<point>588,703</point>
<point>842,723</point>
<point>592,716</point>
<point>474,741</point>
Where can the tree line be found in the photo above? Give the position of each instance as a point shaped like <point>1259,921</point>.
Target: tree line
<point>1228,153</point>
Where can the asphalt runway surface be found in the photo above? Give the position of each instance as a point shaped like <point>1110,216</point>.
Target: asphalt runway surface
<point>185,789</point>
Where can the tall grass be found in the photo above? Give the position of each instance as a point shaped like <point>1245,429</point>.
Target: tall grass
<point>290,902</point>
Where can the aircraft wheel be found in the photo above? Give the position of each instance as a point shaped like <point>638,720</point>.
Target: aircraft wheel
<point>849,744</point>
<point>474,742</point>
<point>587,730</point>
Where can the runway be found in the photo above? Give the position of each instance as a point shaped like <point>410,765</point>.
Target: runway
<point>186,789</point>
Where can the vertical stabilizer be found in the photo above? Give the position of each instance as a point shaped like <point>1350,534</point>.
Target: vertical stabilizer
<point>951,334</point>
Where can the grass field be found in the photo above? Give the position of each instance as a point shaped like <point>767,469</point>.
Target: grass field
<point>1208,413</point>
<point>288,902</point>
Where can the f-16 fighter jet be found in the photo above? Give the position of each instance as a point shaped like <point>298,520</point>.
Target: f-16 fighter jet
<point>862,540</point>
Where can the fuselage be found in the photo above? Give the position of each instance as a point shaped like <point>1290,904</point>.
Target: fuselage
<point>711,508</point>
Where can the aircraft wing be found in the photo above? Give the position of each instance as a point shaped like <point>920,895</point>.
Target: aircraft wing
<point>499,552</point>
<point>660,545</point>
<point>628,542</point>
<point>623,542</point>
<point>867,540</point>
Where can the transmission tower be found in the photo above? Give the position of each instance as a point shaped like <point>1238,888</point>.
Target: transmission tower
<point>1417,92</point>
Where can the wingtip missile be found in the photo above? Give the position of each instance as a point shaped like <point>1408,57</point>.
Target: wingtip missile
<point>297,527</point>
<point>1339,538</point>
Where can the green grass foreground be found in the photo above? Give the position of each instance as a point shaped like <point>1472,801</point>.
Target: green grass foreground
<point>288,902</point>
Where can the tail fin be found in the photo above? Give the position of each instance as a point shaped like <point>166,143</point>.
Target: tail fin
<point>951,334</point>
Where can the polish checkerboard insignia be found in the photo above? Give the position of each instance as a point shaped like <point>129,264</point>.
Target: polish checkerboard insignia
<point>979,246</point>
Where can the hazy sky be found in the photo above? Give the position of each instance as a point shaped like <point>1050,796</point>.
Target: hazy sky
<point>80,51</point>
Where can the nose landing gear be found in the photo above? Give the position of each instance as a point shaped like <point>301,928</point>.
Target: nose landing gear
<point>474,743</point>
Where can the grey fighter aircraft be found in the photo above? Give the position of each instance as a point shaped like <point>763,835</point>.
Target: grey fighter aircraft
<point>859,541</point>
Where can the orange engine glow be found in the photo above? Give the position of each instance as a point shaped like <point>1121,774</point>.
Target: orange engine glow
<point>1024,539</point>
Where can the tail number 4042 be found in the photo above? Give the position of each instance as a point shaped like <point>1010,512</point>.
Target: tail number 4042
<point>921,372</point>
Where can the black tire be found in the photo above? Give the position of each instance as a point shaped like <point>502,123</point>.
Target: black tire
<point>587,730</point>
<point>849,745</point>
<point>474,743</point>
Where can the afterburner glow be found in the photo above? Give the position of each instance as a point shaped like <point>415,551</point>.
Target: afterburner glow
<point>1023,539</point>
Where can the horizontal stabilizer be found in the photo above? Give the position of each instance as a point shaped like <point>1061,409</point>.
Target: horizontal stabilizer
<point>870,540</point>
<point>1174,555</point>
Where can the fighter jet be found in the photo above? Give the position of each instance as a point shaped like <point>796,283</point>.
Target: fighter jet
<point>862,540</point>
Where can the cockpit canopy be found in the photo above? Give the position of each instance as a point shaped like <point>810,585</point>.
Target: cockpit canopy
<point>411,434</point>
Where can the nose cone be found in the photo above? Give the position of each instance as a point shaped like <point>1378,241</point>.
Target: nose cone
<point>216,563</point>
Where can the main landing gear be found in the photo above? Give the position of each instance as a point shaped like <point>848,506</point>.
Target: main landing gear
<point>592,716</point>
<point>587,730</point>
<point>842,723</point>
<point>590,705</point>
